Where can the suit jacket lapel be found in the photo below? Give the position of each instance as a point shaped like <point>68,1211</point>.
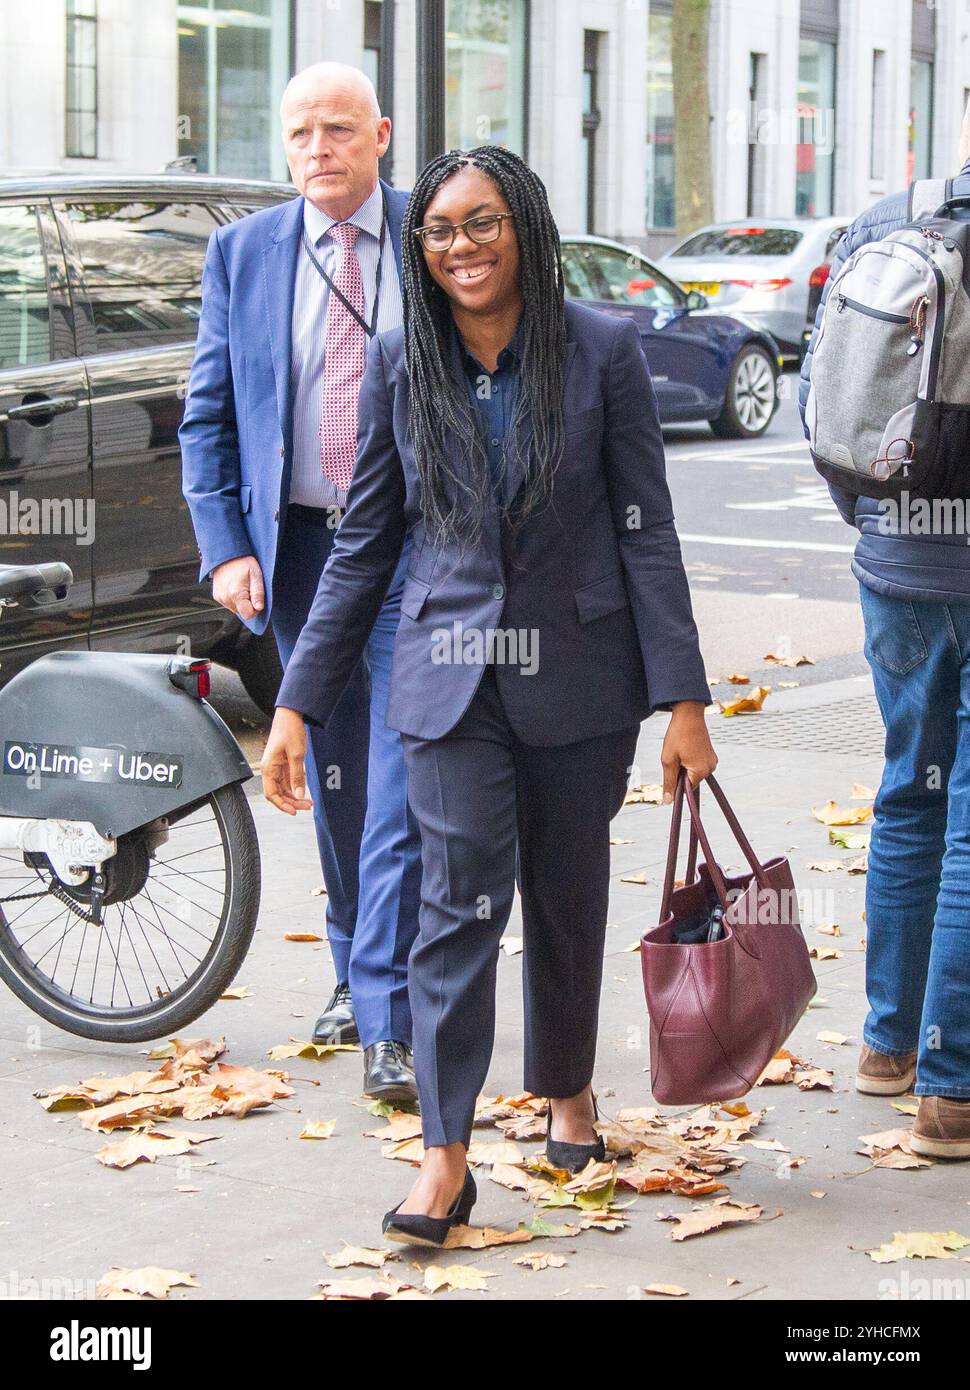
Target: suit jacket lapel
<point>279,273</point>
<point>396,203</point>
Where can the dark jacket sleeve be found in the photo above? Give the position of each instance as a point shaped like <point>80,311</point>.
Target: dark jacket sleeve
<point>365,554</point>
<point>644,521</point>
<point>208,434</point>
<point>849,242</point>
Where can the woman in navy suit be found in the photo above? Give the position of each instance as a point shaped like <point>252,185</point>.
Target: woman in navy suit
<point>546,613</point>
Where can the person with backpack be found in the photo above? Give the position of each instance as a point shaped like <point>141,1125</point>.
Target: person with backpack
<point>885,401</point>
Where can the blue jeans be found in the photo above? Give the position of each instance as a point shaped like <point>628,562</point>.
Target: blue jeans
<point>369,843</point>
<point>918,884</point>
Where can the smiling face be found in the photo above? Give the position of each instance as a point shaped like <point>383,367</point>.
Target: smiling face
<point>334,135</point>
<point>477,279</point>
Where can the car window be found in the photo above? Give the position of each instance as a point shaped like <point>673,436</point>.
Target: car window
<point>833,242</point>
<point>25,334</point>
<point>741,241</point>
<point>142,269</point>
<point>625,278</point>
<point>576,272</point>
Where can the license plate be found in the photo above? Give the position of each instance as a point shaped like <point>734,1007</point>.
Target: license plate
<point>707,287</point>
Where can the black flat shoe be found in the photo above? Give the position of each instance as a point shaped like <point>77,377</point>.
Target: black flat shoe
<point>389,1072</point>
<point>573,1157</point>
<point>337,1023</point>
<point>412,1228</point>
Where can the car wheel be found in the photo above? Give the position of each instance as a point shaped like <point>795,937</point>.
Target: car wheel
<point>751,396</point>
<point>261,671</point>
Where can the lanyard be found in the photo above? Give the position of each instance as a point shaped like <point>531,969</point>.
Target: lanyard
<point>371,328</point>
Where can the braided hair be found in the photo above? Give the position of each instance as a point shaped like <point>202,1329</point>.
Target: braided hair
<point>454,495</point>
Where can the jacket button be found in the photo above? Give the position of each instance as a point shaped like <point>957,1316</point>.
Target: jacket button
<point>498,591</point>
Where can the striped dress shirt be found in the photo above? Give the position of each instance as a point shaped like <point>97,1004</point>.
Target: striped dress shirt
<point>311,294</point>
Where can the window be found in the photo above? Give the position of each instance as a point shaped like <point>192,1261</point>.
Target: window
<point>879,122</point>
<point>918,156</point>
<point>660,123</point>
<point>815,155</point>
<point>741,241</point>
<point>234,58</point>
<point>142,269</point>
<point>24,315</point>
<point>602,272</point>
<point>81,98</point>
<point>372,42</point>
<point>591,123</point>
<point>485,79</point>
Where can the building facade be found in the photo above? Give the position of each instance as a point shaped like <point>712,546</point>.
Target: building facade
<point>817,106</point>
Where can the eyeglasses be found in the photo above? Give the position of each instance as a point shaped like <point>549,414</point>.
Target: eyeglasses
<point>481,229</point>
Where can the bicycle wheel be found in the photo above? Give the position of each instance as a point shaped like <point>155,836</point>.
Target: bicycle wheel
<point>180,907</point>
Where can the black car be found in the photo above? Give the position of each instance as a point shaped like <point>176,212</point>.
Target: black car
<point>99,306</point>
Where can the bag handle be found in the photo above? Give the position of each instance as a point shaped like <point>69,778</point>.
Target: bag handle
<point>698,833</point>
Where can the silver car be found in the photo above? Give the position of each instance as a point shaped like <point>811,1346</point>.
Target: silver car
<point>758,267</point>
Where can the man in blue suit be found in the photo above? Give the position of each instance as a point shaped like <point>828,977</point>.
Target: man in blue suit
<point>291,296</point>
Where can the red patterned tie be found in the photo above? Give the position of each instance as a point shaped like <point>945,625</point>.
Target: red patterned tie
<point>344,363</point>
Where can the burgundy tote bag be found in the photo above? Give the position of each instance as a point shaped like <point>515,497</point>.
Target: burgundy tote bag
<point>720,1010</point>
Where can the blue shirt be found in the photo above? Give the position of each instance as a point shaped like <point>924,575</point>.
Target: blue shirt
<point>495,395</point>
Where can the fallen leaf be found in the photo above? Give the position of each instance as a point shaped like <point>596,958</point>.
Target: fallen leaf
<point>147,1282</point>
<point>861,793</point>
<point>645,794</point>
<point>357,1255</point>
<point>827,1037</point>
<point>670,1290</point>
<point>746,704</point>
<point>918,1245</point>
<point>640,877</point>
<point>438,1277</point>
<point>540,1261</point>
<point>485,1237</point>
<point>722,1212</point>
<point>301,936</point>
<point>790,661</point>
<point>237,992</point>
<point>833,814</point>
<point>368,1287</point>
<point>849,839</point>
<point>825,953</point>
<point>318,1129</point>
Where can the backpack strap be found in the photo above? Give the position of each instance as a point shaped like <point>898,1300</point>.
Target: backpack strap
<point>925,196</point>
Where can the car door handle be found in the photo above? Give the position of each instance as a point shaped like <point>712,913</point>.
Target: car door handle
<point>42,405</point>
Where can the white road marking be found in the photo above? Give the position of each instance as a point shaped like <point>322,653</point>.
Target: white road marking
<point>749,543</point>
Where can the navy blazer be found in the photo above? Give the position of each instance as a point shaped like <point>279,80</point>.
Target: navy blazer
<point>237,431</point>
<point>596,576</point>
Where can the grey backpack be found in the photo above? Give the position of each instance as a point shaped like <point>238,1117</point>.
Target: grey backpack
<point>888,407</point>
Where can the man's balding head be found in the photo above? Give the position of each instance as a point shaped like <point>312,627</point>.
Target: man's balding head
<point>334,135</point>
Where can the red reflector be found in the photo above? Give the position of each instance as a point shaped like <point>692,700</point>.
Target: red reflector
<point>204,684</point>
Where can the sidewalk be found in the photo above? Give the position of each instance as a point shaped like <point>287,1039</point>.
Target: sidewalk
<point>266,1207</point>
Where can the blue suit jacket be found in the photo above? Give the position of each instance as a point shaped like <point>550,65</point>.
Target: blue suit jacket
<point>237,431</point>
<point>596,577</point>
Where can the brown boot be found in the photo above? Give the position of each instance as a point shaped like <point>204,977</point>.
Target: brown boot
<point>941,1128</point>
<point>880,1075</point>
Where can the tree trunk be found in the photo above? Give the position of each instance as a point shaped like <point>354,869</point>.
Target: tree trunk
<point>692,107</point>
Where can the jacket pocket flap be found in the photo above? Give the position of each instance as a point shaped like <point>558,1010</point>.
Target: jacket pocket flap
<point>601,597</point>
<point>414,596</point>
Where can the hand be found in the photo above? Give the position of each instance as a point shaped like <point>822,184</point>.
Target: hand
<point>687,744</point>
<point>238,586</point>
<point>282,766</point>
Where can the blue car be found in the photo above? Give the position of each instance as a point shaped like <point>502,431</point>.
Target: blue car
<point>705,365</point>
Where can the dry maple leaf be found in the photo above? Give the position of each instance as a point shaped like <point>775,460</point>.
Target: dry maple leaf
<point>358,1255</point>
<point>737,679</point>
<point>367,1288</point>
<point>237,992</point>
<point>891,1148</point>
<point>813,1079</point>
<point>825,953</point>
<point>400,1125</point>
<point>318,1129</point>
<point>301,936</point>
<point>499,1151</point>
<point>720,1213</point>
<point>746,704</point>
<point>146,1146</point>
<point>438,1277</point>
<point>671,1290</point>
<point>540,1261</point>
<point>833,814</point>
<point>485,1237</point>
<point>206,1048</point>
<point>790,661</point>
<point>147,1282</point>
<point>919,1245</point>
<point>645,794</point>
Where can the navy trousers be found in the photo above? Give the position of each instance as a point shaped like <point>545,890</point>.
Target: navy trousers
<point>356,776</point>
<point>476,793</point>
